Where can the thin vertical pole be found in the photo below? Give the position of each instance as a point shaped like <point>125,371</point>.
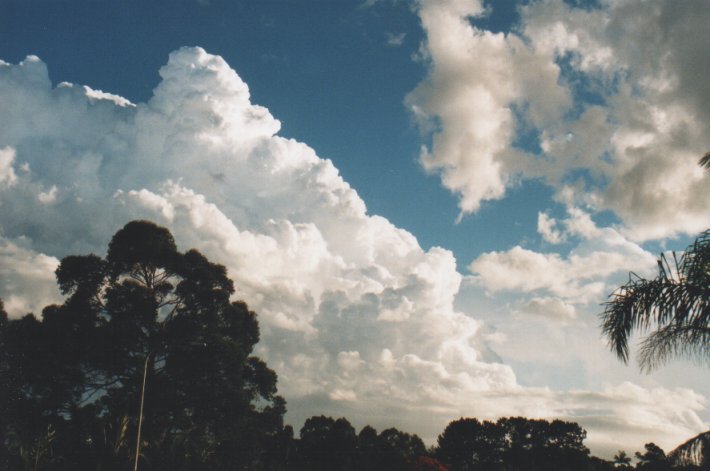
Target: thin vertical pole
<point>140,415</point>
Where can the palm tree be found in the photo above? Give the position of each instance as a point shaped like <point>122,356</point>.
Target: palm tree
<point>622,460</point>
<point>675,306</point>
<point>694,452</point>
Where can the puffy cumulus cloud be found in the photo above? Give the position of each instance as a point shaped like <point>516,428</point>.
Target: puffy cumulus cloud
<point>472,93</point>
<point>26,278</point>
<point>347,301</point>
<point>546,228</point>
<point>613,98</point>
<point>7,172</point>
<point>356,318</point>
<point>580,277</point>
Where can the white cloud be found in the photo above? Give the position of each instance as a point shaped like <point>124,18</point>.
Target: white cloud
<point>7,172</point>
<point>615,94</point>
<point>49,196</point>
<point>554,308</point>
<point>583,276</point>
<point>546,228</point>
<point>356,317</point>
<point>395,40</point>
<point>26,279</point>
<point>100,95</point>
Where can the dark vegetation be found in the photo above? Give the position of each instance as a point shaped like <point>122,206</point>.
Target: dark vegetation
<point>674,307</point>
<point>148,365</point>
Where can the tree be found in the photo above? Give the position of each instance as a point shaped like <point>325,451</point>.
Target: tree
<point>675,306</point>
<point>329,444</point>
<point>144,314</point>
<point>622,460</point>
<point>326,444</point>
<point>536,444</point>
<point>514,443</point>
<point>396,450</point>
<point>653,459</point>
<point>468,444</point>
<point>692,454</point>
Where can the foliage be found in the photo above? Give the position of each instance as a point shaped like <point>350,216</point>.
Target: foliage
<point>705,161</point>
<point>694,452</point>
<point>145,312</point>
<point>654,458</point>
<point>329,444</point>
<point>512,444</point>
<point>675,306</point>
<point>622,460</point>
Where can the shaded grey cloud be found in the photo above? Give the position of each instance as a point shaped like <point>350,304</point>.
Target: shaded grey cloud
<point>614,97</point>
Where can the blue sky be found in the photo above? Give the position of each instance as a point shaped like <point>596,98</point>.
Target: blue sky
<point>323,68</point>
<point>497,169</point>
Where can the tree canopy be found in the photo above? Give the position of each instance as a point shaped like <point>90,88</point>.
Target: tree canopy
<point>145,312</point>
<point>329,444</point>
<point>514,443</point>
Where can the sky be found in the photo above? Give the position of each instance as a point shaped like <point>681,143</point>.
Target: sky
<point>426,202</point>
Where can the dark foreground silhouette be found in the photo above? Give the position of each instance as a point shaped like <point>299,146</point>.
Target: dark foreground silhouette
<point>148,365</point>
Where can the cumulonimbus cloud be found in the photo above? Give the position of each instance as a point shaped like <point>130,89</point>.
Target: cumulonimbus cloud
<point>357,318</point>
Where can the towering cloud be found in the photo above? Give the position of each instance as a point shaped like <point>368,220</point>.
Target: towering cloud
<point>357,318</point>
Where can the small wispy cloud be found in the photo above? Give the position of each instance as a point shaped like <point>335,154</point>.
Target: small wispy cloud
<point>395,40</point>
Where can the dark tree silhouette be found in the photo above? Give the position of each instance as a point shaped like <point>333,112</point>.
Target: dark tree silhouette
<point>536,444</point>
<point>144,314</point>
<point>396,450</point>
<point>622,460</point>
<point>653,459</point>
<point>326,444</point>
<point>329,444</point>
<point>692,454</point>
<point>512,444</point>
<point>675,306</point>
<point>468,444</point>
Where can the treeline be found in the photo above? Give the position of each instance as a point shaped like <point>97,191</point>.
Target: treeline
<point>148,365</point>
<point>467,444</point>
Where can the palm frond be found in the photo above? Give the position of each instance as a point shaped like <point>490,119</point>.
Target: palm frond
<point>695,263</point>
<point>705,161</point>
<point>682,341</point>
<point>676,304</point>
<point>692,452</point>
